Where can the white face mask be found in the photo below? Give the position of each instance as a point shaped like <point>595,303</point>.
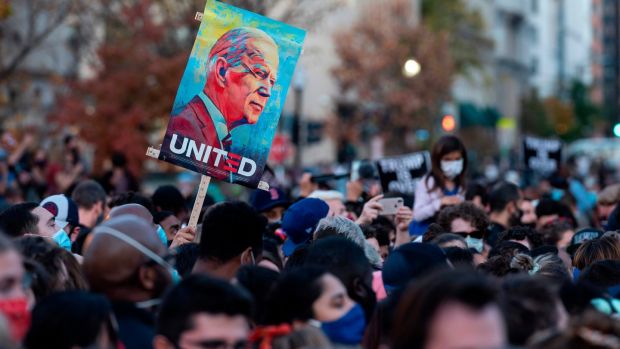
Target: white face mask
<point>451,169</point>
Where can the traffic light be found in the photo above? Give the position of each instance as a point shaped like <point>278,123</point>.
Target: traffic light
<point>448,123</point>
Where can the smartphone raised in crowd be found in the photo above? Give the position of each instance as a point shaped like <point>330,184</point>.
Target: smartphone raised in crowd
<point>391,205</point>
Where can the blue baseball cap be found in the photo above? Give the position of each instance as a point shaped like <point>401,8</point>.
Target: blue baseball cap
<point>409,262</point>
<point>299,222</point>
<point>265,200</point>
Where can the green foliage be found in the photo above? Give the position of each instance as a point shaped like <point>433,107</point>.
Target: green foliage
<point>570,120</point>
<point>587,114</point>
<point>534,118</point>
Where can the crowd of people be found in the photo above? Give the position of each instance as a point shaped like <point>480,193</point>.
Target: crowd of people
<point>463,264</point>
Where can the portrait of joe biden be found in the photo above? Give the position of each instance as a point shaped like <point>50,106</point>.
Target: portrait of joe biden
<point>242,68</point>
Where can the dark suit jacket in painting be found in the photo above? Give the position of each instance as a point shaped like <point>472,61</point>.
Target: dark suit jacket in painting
<point>195,122</point>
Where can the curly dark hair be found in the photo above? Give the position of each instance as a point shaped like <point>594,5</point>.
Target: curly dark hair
<point>465,211</point>
<point>522,233</point>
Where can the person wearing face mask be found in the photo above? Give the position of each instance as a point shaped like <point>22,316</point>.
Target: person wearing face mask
<point>183,236</point>
<point>347,261</point>
<point>270,204</point>
<point>13,286</point>
<point>443,186</point>
<point>505,202</point>
<point>127,263</point>
<point>312,296</point>
<point>65,213</point>
<point>467,221</point>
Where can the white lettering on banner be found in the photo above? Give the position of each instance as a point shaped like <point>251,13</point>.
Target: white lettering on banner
<point>174,149</point>
<point>246,161</point>
<point>194,148</point>
<point>411,162</point>
<point>549,145</point>
<point>543,165</point>
<point>403,187</point>
<point>207,154</point>
<point>220,153</point>
<point>542,147</point>
<point>230,162</point>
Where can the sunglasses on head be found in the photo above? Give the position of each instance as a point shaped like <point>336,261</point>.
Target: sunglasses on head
<point>476,234</point>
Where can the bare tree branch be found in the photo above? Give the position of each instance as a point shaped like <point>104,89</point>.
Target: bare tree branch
<point>34,38</point>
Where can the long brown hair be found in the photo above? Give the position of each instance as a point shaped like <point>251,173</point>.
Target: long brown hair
<point>607,247</point>
<point>446,145</point>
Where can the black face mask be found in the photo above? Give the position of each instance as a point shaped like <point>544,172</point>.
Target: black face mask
<point>515,219</point>
<point>529,225</point>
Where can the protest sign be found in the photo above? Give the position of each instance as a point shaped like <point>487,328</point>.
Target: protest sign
<point>402,173</point>
<point>542,155</point>
<point>227,107</point>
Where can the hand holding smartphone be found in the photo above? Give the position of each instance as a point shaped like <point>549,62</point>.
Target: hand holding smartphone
<point>391,205</point>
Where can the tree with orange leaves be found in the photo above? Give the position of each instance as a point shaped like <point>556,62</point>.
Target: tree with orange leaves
<point>370,74</point>
<point>131,96</point>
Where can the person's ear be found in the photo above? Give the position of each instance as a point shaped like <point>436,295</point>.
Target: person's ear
<point>511,207</point>
<point>221,67</point>
<point>161,342</point>
<point>247,257</point>
<point>148,277</point>
<point>361,292</point>
<point>75,233</point>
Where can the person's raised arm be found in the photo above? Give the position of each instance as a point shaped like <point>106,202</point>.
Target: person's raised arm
<point>425,205</point>
<point>21,149</point>
<point>403,219</point>
<point>371,211</point>
<point>183,236</point>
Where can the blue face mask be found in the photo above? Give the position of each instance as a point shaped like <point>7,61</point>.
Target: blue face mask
<point>161,234</point>
<point>62,239</point>
<point>349,329</point>
<point>176,277</point>
<point>476,244</point>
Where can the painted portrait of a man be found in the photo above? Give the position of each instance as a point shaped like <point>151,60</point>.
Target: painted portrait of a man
<point>232,94</point>
<point>241,72</point>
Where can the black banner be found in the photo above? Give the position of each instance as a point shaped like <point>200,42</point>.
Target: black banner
<point>542,155</point>
<point>402,173</point>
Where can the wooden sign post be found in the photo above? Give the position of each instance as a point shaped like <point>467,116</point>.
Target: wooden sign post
<point>200,196</point>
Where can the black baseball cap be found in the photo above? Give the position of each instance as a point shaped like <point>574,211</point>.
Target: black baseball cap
<point>582,236</point>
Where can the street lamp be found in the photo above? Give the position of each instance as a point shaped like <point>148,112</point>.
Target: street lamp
<point>411,68</point>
